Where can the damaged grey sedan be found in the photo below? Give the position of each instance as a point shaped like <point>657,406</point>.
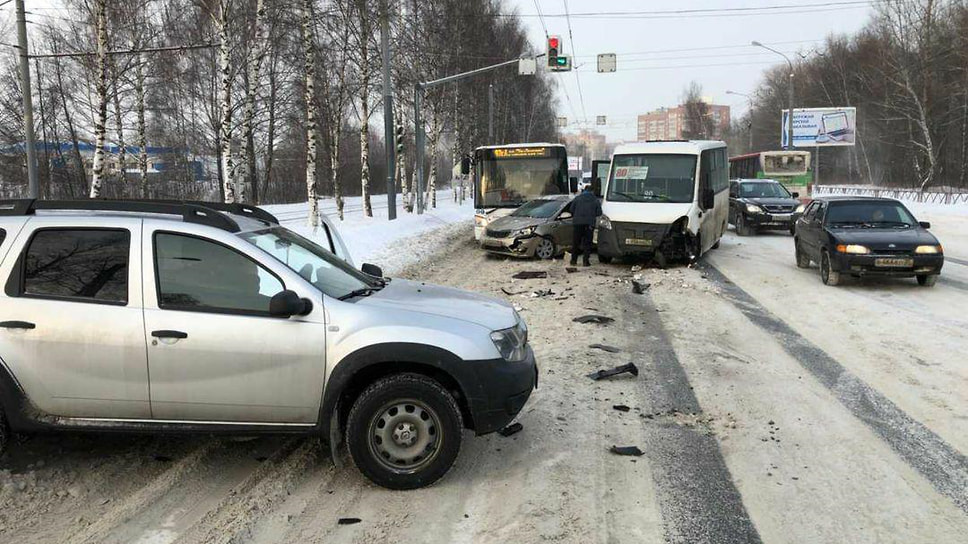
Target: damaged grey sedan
<point>539,228</point>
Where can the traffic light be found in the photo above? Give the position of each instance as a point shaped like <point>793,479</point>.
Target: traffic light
<point>554,43</point>
<point>399,138</point>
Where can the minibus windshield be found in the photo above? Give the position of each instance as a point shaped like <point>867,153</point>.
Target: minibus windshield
<point>652,178</point>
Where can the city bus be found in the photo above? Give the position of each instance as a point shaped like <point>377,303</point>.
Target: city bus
<point>507,176</point>
<point>790,168</point>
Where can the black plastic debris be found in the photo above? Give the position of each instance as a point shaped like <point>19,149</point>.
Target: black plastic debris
<point>639,288</point>
<point>542,293</point>
<point>603,347</point>
<point>621,407</point>
<point>162,458</point>
<point>630,368</point>
<point>511,293</point>
<point>571,269</point>
<point>627,450</point>
<point>513,428</point>
<point>348,521</point>
<point>593,318</point>
<point>530,274</point>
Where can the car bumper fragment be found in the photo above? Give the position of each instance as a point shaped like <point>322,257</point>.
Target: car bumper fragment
<point>515,247</point>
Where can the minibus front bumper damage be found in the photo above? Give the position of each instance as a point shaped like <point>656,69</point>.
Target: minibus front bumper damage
<point>665,241</point>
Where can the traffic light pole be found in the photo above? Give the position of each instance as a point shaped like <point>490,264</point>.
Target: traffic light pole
<point>388,114</point>
<point>419,136</point>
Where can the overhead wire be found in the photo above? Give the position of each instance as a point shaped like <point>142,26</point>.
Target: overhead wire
<point>571,41</point>
<point>709,12</point>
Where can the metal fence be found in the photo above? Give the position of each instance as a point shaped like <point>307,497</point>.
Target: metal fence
<point>909,195</point>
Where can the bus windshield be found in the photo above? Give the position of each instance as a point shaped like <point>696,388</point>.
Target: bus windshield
<point>652,178</point>
<point>511,177</point>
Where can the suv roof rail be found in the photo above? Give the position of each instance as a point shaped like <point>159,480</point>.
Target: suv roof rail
<point>213,214</point>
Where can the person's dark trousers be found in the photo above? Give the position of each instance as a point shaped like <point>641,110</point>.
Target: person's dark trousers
<point>582,243</point>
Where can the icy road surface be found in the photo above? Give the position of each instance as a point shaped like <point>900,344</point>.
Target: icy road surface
<point>770,408</point>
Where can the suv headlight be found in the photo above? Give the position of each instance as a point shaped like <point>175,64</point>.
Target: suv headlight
<point>928,250</point>
<point>512,343</point>
<point>753,208</point>
<point>527,231</point>
<point>604,222</point>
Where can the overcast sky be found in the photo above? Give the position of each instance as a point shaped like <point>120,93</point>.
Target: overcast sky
<point>659,54</point>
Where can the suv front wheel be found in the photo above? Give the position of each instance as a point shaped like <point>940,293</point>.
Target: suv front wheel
<point>404,431</point>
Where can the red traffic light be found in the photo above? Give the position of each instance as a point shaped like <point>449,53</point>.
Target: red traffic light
<point>553,42</point>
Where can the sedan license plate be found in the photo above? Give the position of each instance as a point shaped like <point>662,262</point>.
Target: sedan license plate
<point>781,218</point>
<point>638,242</point>
<point>894,262</point>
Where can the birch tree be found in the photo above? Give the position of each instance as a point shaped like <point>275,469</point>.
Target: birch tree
<point>256,56</point>
<point>225,101</point>
<point>363,33</point>
<point>101,86</point>
<point>139,89</point>
<point>310,48</point>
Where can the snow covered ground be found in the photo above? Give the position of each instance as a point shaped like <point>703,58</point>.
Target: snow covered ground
<point>391,245</point>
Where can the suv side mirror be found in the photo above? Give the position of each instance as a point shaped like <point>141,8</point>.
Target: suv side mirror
<point>372,270</point>
<point>924,224</point>
<point>796,194</point>
<point>287,304</point>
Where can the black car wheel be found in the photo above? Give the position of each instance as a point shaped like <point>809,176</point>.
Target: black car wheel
<point>802,260</point>
<point>827,274</point>
<point>546,249</point>
<point>404,431</point>
<point>742,228</point>
<point>927,280</point>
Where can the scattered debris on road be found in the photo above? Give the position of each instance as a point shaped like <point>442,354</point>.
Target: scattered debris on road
<point>603,347</point>
<point>627,450</point>
<point>513,428</point>
<point>162,458</point>
<point>512,293</point>
<point>630,368</point>
<point>621,407</point>
<point>542,293</point>
<point>639,288</point>
<point>348,521</point>
<point>530,274</point>
<point>593,318</point>
<point>571,269</point>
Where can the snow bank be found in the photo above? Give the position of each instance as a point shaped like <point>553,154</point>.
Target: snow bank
<point>393,245</point>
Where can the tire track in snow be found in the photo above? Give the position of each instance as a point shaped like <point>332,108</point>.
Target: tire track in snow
<point>942,465</point>
<point>697,497</point>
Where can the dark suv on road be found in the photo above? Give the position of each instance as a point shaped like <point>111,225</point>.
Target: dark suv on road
<point>864,236</point>
<point>762,204</point>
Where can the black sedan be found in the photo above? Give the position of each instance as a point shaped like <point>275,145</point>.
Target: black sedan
<point>863,236</point>
<point>762,204</point>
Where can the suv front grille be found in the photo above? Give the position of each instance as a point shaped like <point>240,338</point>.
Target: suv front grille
<point>780,208</point>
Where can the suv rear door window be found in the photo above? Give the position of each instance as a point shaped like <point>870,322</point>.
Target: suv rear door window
<point>201,275</point>
<point>78,264</point>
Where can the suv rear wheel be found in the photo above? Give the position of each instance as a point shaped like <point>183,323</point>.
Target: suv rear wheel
<point>404,431</point>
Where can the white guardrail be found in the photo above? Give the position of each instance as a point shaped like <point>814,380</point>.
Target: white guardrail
<point>909,195</point>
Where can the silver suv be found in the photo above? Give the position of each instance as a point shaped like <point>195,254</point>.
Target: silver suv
<point>153,316</point>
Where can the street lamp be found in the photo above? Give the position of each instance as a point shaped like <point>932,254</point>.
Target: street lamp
<point>750,98</point>
<point>790,117</point>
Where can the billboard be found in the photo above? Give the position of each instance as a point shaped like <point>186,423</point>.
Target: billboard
<point>821,127</point>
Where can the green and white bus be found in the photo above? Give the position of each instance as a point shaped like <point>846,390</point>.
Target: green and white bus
<point>791,168</point>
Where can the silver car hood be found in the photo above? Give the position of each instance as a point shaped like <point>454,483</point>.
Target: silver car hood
<point>513,222</point>
<point>417,297</point>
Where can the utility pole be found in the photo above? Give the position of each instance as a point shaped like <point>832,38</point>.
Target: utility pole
<point>750,113</point>
<point>388,112</point>
<point>490,114</point>
<point>790,90</point>
<point>33,185</point>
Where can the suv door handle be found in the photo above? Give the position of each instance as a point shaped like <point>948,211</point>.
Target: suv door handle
<point>169,334</point>
<point>17,325</point>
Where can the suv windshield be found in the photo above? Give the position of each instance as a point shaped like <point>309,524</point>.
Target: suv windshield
<point>538,208</point>
<point>326,271</point>
<point>869,214</point>
<point>763,189</point>
<point>652,178</point>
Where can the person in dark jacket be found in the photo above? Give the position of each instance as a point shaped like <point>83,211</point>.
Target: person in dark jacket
<point>585,209</point>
